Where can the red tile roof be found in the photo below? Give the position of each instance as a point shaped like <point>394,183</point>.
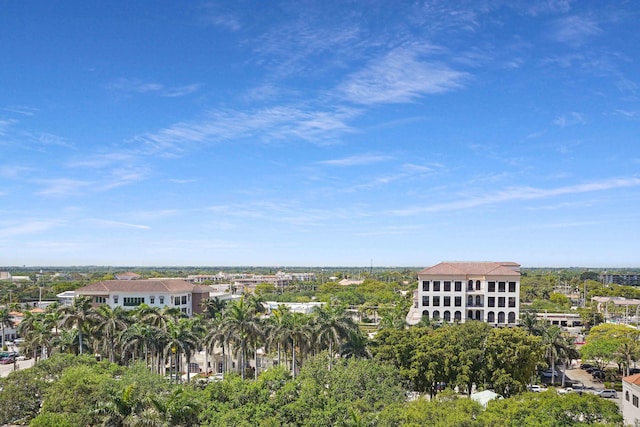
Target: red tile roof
<point>632,379</point>
<point>457,268</point>
<point>109,286</point>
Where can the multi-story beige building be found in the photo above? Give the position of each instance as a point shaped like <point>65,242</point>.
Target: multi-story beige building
<point>461,291</point>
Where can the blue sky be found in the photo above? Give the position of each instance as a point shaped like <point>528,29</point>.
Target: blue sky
<point>319,133</point>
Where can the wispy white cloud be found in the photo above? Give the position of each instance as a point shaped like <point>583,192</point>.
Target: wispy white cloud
<point>575,30</point>
<point>182,181</point>
<point>62,187</point>
<point>4,126</point>
<point>570,119</point>
<point>26,227</point>
<point>357,160</point>
<point>118,224</point>
<point>401,76</point>
<point>628,114</point>
<point>519,193</point>
<point>266,125</point>
<point>129,86</point>
<point>21,109</point>
<point>100,161</point>
<point>14,171</point>
<point>390,231</point>
<point>213,14</point>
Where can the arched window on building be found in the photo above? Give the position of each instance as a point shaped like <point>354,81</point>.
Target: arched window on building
<point>457,316</point>
<point>447,316</point>
<point>491,317</point>
<point>512,317</point>
<point>501,317</point>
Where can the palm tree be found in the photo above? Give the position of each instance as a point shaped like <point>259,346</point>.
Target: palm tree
<point>556,346</point>
<point>299,330</point>
<point>66,341</point>
<point>38,338</point>
<point>78,315</point>
<point>138,340</point>
<point>627,351</point>
<point>108,325</point>
<point>241,324</point>
<point>180,340</point>
<point>6,320</point>
<point>213,307</point>
<point>276,327</point>
<point>333,325</point>
<point>530,323</point>
<point>356,346</point>
<point>216,335</point>
<point>123,408</point>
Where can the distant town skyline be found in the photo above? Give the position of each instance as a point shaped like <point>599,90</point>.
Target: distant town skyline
<point>319,133</point>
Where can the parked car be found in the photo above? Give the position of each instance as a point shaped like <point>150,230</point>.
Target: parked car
<point>536,388</point>
<point>598,374</point>
<point>608,393</point>
<point>634,371</point>
<point>549,373</point>
<point>590,369</point>
<point>586,366</point>
<point>7,360</point>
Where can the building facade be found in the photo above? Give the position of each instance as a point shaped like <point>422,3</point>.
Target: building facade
<point>620,279</point>
<point>461,291</point>
<point>631,399</point>
<point>130,294</point>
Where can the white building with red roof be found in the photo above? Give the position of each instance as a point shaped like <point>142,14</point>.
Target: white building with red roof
<point>461,291</point>
<point>631,399</point>
<point>130,294</point>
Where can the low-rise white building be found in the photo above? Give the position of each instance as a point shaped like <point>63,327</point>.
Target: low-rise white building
<point>460,291</point>
<point>631,399</point>
<point>130,294</point>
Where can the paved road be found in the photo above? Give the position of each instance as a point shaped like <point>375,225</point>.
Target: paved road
<point>22,364</point>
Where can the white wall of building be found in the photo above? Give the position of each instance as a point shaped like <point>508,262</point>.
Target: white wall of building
<point>491,299</point>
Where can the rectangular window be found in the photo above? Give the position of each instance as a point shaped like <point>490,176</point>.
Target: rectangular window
<point>492,286</point>
<point>132,301</point>
<point>447,301</point>
<point>512,301</point>
<point>635,400</point>
<point>425,286</point>
<point>184,310</point>
<point>512,286</point>
<point>501,286</point>
<point>491,301</point>
<point>501,302</point>
<point>425,301</point>
<point>161,300</point>
<point>100,300</point>
<point>436,285</point>
<point>152,300</point>
<point>176,300</point>
<point>115,299</point>
<point>458,286</point>
<point>184,300</point>
<point>447,286</point>
<point>458,301</point>
<point>436,301</point>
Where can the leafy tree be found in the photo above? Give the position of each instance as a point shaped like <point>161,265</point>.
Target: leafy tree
<point>511,357</point>
<point>604,343</point>
<point>548,409</point>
